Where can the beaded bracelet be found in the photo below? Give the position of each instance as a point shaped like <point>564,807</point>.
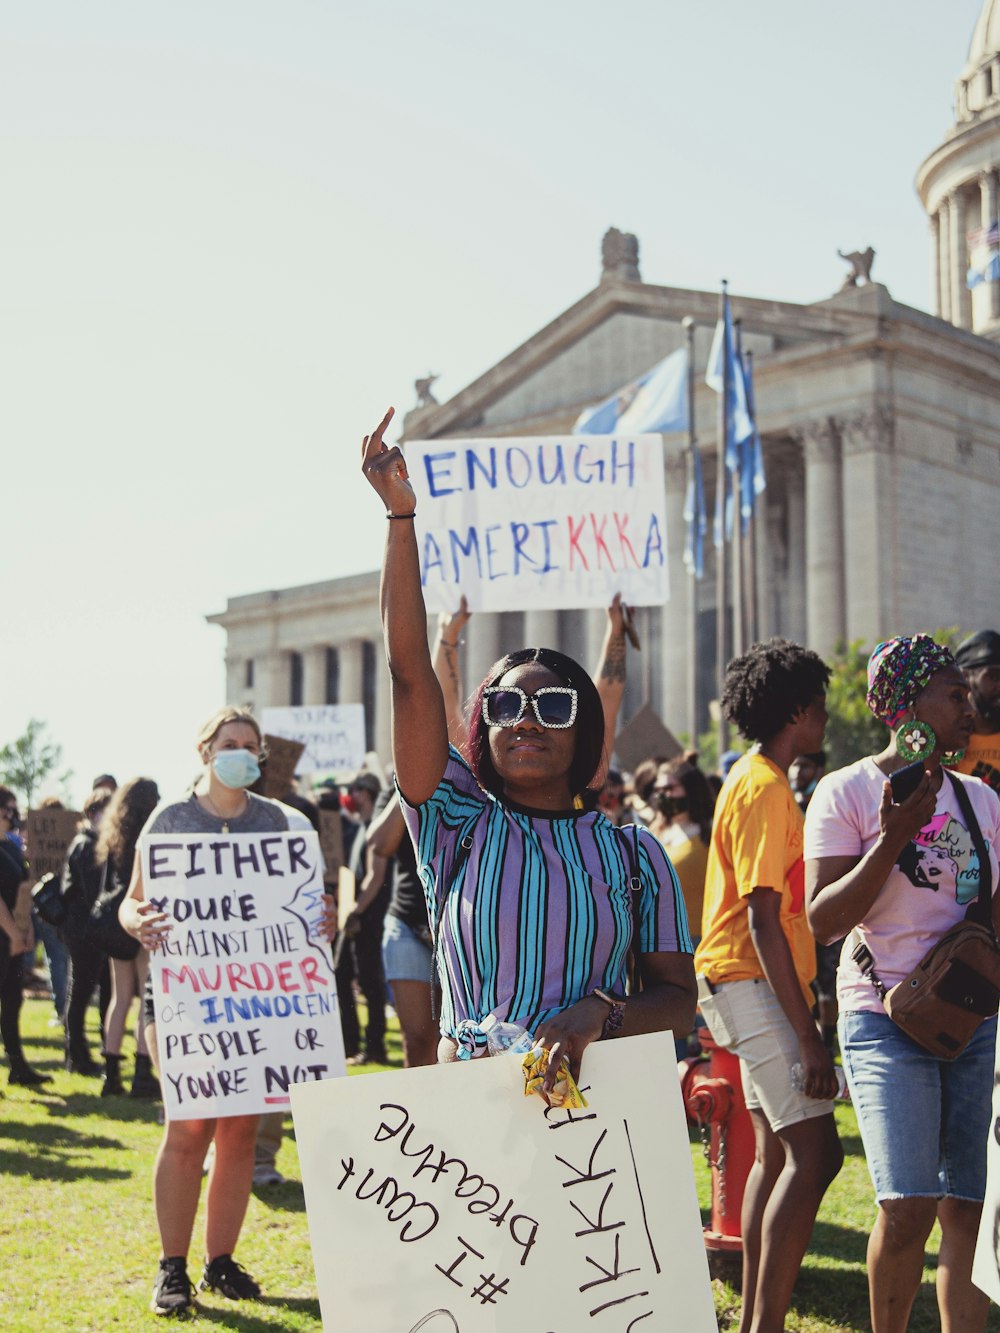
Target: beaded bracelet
<point>410,515</point>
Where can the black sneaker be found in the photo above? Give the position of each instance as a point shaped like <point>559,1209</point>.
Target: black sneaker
<point>172,1291</point>
<point>224,1275</point>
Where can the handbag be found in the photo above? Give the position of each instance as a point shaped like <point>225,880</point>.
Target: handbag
<point>104,930</point>
<point>48,899</point>
<point>957,982</point>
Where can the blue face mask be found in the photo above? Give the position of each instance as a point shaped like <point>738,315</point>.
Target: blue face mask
<point>236,768</point>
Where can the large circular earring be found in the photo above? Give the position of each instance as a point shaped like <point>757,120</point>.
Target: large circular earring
<point>915,740</point>
<point>952,757</point>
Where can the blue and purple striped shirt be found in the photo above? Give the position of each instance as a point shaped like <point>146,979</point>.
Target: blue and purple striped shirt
<point>531,912</point>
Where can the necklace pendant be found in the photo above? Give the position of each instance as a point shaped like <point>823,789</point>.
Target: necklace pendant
<point>225,826</point>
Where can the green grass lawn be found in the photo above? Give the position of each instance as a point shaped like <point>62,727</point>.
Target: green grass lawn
<point>79,1248</point>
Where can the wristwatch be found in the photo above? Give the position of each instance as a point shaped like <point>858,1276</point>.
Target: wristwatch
<point>616,1012</point>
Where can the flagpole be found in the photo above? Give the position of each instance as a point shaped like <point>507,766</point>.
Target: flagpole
<point>721,589</point>
<point>692,618</point>
<point>752,604</point>
<point>739,628</point>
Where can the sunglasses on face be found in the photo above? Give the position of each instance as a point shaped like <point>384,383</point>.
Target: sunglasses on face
<point>553,705</point>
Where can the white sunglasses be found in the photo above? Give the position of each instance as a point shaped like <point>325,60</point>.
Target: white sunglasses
<point>553,705</point>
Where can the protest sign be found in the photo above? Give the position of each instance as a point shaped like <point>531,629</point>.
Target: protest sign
<point>48,834</point>
<point>544,522</point>
<point>281,765</point>
<point>465,1205</point>
<point>986,1265</point>
<point>645,735</point>
<point>333,734</point>
<point>331,842</point>
<point>244,990</point>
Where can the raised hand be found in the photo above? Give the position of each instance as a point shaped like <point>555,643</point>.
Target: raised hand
<point>385,470</point>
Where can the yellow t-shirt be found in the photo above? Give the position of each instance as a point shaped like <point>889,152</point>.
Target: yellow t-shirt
<point>689,857</point>
<point>982,759</point>
<point>756,843</point>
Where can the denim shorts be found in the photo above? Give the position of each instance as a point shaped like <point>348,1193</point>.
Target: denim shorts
<point>746,1018</point>
<point>405,957</point>
<point>924,1122</point>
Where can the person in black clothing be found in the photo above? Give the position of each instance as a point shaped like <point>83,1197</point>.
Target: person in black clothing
<point>14,942</point>
<point>359,955</point>
<point>81,883</point>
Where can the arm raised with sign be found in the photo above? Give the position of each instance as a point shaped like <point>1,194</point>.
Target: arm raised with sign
<point>419,725</point>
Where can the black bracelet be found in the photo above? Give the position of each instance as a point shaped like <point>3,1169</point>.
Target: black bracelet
<point>412,515</point>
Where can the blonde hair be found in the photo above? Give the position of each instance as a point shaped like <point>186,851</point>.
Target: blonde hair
<point>218,720</point>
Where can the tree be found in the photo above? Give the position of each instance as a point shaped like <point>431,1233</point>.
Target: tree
<point>28,761</point>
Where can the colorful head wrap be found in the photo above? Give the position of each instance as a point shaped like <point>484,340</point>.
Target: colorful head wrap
<point>898,671</point>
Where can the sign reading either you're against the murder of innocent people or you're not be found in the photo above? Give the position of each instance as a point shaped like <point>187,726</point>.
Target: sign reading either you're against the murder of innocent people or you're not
<point>545,522</point>
<point>465,1207</point>
<point>243,987</point>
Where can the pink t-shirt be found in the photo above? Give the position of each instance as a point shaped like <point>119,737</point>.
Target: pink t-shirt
<point>929,888</point>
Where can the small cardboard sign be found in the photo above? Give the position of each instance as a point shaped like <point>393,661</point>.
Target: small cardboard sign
<point>331,841</point>
<point>467,1207</point>
<point>243,988</point>
<point>645,737</point>
<point>282,759</point>
<point>48,834</point>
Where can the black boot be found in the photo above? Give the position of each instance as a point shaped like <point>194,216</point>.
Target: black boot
<point>80,1061</point>
<point>112,1085</point>
<point>22,1073</point>
<point>144,1081</point>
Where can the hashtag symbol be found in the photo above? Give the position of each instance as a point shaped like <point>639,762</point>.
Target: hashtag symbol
<point>489,1288</point>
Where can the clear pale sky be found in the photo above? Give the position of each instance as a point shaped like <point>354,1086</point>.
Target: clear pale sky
<point>234,230</point>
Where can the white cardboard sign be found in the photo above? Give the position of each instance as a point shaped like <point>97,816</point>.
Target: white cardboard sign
<point>333,734</point>
<point>244,989</point>
<point>466,1207</point>
<point>986,1265</point>
<point>545,522</point>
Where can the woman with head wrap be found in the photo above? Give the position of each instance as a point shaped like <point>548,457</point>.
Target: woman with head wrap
<point>924,1122</point>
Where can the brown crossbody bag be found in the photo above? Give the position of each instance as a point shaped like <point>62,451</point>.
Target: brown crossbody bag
<point>957,982</point>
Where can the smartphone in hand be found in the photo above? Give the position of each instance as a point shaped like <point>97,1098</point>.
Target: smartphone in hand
<point>905,781</point>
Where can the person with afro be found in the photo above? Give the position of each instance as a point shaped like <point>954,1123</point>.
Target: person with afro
<point>755,963</point>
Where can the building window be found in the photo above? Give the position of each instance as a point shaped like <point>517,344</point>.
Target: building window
<point>248,674</point>
<point>295,674</point>
<point>368,668</point>
<point>988,82</point>
<point>332,676</point>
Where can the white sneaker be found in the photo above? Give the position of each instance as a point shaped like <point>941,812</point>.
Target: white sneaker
<point>267,1174</point>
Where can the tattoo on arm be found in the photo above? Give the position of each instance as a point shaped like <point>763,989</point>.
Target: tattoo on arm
<point>614,662</point>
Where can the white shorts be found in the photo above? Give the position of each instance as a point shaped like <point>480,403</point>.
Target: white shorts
<point>746,1018</point>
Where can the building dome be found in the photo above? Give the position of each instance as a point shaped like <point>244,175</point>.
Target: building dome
<point>978,88</point>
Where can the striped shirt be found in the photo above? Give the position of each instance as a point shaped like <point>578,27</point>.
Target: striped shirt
<point>531,911</point>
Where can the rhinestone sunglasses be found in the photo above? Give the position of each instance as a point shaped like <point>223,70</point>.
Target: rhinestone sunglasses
<point>553,705</point>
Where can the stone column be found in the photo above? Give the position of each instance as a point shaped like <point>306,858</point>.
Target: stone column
<point>669,695</point>
<point>314,674</point>
<point>988,216</point>
<point>764,569</point>
<point>541,629</point>
<point>935,225</point>
<point>825,601</point>
<point>795,589</point>
<point>944,260</point>
<point>350,672</point>
<point>870,521</point>
<point>960,304</point>
<point>272,680</point>
<point>236,689</point>
<point>483,637</point>
<point>382,731</point>
<point>595,627</point>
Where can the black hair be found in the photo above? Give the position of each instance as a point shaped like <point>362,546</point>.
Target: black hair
<point>589,749</point>
<point>770,685</point>
<point>700,798</point>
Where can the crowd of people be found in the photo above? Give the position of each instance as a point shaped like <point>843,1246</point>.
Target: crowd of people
<point>508,872</point>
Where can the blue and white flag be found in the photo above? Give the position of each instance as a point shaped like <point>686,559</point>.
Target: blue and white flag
<point>724,364</point>
<point>656,401</point>
<point>695,517</point>
<point>752,479</point>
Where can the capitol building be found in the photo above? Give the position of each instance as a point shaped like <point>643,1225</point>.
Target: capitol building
<point>880,426</point>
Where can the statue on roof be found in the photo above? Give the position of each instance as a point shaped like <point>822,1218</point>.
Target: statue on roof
<point>423,387</point>
<point>861,267</point>
<point>620,256</point>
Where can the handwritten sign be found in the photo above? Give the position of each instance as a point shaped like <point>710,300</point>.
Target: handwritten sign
<point>490,1213</point>
<point>986,1264</point>
<point>48,834</point>
<point>333,734</point>
<point>547,522</point>
<point>244,990</point>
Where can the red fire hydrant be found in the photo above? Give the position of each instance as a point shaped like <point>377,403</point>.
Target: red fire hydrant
<point>714,1102</point>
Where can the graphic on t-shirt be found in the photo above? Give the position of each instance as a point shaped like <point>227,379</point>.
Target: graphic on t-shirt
<point>940,855</point>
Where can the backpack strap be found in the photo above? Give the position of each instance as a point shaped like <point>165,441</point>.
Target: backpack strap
<point>981,911</point>
<point>630,846</point>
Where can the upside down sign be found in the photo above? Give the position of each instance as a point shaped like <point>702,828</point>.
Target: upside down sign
<point>467,1207</point>
<point>243,988</point>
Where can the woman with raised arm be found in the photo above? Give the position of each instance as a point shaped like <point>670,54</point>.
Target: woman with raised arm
<point>527,893</point>
<point>893,873</point>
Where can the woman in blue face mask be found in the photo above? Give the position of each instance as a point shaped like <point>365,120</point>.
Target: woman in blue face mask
<point>230,746</point>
